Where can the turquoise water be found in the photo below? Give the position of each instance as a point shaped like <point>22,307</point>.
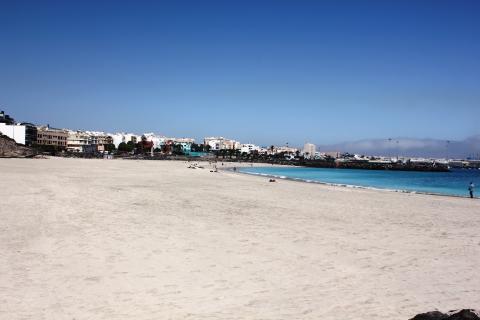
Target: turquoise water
<point>448,183</point>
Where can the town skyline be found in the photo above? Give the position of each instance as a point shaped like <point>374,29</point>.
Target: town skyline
<point>393,146</point>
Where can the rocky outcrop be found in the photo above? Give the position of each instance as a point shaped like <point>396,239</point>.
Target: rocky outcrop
<point>432,315</point>
<point>465,314</point>
<point>10,149</point>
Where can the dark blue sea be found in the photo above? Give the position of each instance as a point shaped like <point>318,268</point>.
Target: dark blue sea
<point>446,183</point>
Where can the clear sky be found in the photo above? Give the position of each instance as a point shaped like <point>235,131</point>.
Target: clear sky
<point>258,71</point>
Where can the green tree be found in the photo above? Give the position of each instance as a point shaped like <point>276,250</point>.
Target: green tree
<point>178,150</point>
<point>195,147</point>
<point>109,147</point>
<point>122,147</point>
<point>130,146</point>
<point>223,153</point>
<point>126,147</point>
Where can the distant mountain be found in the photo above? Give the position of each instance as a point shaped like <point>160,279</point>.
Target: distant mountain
<point>469,147</point>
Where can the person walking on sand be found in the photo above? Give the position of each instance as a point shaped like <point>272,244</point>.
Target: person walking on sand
<point>470,189</point>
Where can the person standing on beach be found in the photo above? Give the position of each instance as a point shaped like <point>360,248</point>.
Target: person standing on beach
<point>470,189</point>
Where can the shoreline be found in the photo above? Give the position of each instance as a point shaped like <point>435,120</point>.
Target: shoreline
<point>350,186</point>
<point>228,166</point>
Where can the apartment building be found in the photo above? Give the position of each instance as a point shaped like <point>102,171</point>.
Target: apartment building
<point>78,141</point>
<point>49,136</point>
<point>309,150</point>
<point>101,142</point>
<point>221,143</point>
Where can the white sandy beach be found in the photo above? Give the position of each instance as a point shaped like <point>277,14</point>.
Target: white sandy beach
<point>124,239</point>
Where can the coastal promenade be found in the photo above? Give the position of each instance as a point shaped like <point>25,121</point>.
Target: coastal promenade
<point>127,239</point>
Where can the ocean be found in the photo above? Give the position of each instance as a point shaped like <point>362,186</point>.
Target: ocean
<point>453,183</point>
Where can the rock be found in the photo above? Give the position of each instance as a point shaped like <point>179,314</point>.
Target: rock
<point>10,149</point>
<point>432,315</point>
<point>465,314</point>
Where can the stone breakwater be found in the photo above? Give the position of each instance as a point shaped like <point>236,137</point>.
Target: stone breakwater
<point>347,164</point>
<point>400,166</point>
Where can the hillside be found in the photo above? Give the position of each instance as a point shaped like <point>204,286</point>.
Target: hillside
<point>10,149</point>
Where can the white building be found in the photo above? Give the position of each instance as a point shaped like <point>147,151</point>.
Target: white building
<point>284,150</point>
<point>309,150</point>
<point>263,150</point>
<point>183,140</point>
<point>249,148</point>
<point>158,141</point>
<point>78,141</point>
<point>22,133</point>
<point>221,143</point>
<point>117,138</point>
<point>88,141</point>
<point>124,137</point>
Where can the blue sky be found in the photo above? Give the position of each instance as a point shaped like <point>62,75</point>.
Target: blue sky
<point>268,72</point>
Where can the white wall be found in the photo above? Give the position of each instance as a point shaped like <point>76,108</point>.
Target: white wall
<point>15,132</point>
<point>214,144</point>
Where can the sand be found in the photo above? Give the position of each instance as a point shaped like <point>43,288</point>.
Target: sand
<point>124,239</point>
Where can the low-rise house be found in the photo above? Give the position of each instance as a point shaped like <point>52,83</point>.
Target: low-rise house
<point>330,154</point>
<point>249,148</point>
<point>184,140</point>
<point>288,150</point>
<point>186,147</point>
<point>185,143</point>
